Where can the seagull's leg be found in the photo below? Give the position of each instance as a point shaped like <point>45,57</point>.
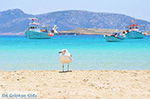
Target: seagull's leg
<point>68,67</point>
<point>63,67</point>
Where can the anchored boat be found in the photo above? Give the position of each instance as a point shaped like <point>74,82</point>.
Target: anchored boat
<point>37,31</point>
<point>115,37</point>
<point>133,32</point>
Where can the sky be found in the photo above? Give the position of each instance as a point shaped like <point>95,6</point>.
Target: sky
<point>135,8</point>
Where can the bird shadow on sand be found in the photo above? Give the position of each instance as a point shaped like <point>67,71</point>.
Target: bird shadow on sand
<point>65,71</point>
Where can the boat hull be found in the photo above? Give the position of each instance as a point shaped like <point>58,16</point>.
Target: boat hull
<point>135,35</point>
<point>112,39</point>
<point>37,35</point>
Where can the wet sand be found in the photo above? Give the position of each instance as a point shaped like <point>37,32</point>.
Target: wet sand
<point>79,84</point>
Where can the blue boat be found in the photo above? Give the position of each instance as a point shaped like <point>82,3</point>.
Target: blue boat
<point>115,37</point>
<point>37,35</point>
<point>36,31</point>
<point>133,32</point>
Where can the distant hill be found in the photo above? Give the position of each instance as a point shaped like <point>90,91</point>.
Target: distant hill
<point>15,20</point>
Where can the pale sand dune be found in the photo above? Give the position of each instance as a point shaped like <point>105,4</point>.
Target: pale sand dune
<point>79,84</point>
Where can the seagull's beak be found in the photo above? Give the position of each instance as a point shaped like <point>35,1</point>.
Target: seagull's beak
<point>59,52</point>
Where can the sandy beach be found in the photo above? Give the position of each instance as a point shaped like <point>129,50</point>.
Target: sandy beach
<point>78,84</point>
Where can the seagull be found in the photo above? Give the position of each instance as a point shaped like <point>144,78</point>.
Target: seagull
<point>65,58</point>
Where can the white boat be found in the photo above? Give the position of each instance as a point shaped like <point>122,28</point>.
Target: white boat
<point>133,32</point>
<point>37,31</point>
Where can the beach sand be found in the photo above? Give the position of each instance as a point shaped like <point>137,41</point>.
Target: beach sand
<point>79,84</point>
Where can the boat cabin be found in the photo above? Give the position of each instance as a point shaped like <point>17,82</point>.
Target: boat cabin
<point>34,24</point>
<point>134,27</point>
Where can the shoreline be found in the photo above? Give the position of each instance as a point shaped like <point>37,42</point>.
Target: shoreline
<point>77,31</point>
<point>79,84</point>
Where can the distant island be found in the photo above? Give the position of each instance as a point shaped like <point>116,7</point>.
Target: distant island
<point>70,21</point>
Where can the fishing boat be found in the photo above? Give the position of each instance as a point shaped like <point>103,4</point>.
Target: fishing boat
<point>133,32</point>
<point>37,31</point>
<point>114,37</point>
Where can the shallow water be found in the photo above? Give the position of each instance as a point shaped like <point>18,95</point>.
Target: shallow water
<point>90,52</point>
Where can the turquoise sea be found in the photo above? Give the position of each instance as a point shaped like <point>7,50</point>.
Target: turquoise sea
<point>90,52</point>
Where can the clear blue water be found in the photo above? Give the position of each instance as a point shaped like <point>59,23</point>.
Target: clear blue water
<point>90,52</point>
